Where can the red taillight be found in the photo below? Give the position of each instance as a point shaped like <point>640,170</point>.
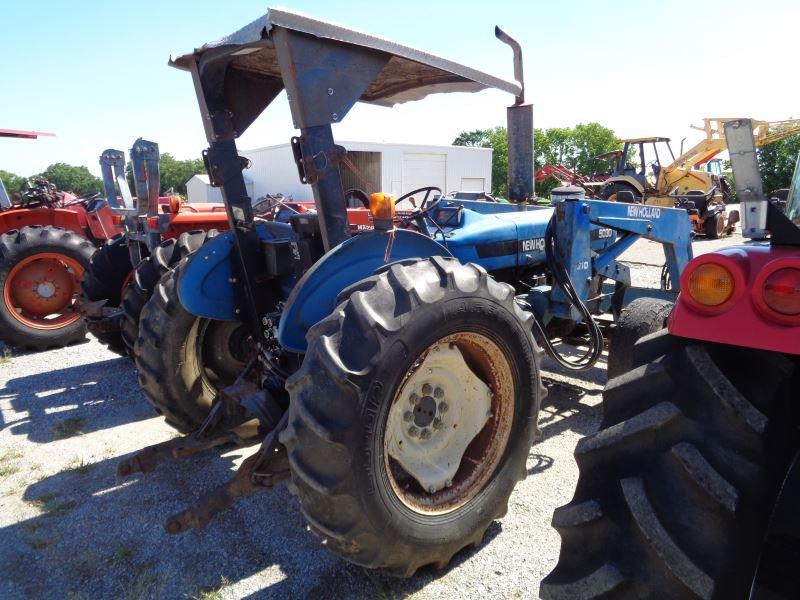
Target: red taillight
<point>152,223</point>
<point>117,219</point>
<point>782,291</point>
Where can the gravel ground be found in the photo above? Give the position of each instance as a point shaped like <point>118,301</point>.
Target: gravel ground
<point>70,527</point>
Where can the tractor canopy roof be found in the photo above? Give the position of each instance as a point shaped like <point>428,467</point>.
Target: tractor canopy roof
<point>645,140</point>
<point>330,66</point>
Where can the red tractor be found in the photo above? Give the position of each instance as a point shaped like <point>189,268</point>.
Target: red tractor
<point>691,487</point>
<point>47,238</point>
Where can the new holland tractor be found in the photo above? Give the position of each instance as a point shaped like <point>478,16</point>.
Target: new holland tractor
<point>690,488</point>
<point>393,375</point>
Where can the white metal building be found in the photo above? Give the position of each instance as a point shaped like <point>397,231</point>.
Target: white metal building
<point>198,189</point>
<point>392,168</point>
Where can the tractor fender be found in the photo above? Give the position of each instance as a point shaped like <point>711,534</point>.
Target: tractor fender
<point>314,296</point>
<point>626,179</point>
<point>72,218</point>
<point>204,283</point>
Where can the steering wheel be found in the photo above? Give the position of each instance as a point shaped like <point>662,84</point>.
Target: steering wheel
<point>419,214</point>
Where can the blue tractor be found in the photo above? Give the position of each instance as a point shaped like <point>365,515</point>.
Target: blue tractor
<point>395,374</point>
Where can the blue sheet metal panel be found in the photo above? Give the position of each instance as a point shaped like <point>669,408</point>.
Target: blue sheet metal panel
<point>204,285</point>
<point>486,240</point>
<point>314,296</point>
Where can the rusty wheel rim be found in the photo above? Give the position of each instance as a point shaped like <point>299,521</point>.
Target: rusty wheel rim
<point>41,290</point>
<point>484,452</point>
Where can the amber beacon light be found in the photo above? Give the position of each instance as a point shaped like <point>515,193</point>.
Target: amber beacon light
<point>381,207</point>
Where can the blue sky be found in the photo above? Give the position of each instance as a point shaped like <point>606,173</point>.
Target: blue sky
<point>96,73</point>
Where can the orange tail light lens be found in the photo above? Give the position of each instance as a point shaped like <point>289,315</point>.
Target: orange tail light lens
<point>782,291</point>
<point>710,284</point>
<point>381,206</point>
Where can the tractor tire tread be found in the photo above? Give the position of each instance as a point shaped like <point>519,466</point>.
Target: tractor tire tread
<point>326,399</point>
<point>675,489</point>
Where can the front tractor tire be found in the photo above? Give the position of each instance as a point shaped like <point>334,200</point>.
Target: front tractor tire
<point>40,273</point>
<point>108,275</point>
<point>184,360</point>
<point>676,489</point>
<point>412,414</point>
<point>641,317</point>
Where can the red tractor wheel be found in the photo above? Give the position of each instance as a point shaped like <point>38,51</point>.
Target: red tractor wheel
<point>40,273</point>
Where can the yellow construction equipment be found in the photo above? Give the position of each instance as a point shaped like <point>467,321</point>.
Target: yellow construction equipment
<point>634,179</point>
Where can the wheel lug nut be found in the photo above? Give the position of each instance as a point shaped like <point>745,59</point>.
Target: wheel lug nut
<point>438,393</point>
<point>413,431</point>
<point>408,416</point>
<point>443,406</point>
<point>431,489</point>
<point>425,434</point>
<point>448,483</point>
<point>427,389</point>
<point>437,423</point>
<point>414,399</point>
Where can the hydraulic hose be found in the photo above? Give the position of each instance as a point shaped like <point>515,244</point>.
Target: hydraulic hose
<point>562,279</point>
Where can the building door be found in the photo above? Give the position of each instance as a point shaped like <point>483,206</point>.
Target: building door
<point>422,169</point>
<point>472,184</point>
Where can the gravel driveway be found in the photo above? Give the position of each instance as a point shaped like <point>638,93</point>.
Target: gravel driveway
<point>70,527</point>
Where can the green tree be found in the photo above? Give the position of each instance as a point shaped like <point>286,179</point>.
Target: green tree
<point>777,161</point>
<point>70,178</point>
<point>13,183</point>
<point>495,138</point>
<point>574,147</point>
<point>174,173</point>
<point>590,140</point>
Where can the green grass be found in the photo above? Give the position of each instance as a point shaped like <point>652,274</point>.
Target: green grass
<point>6,470</point>
<point>68,427</point>
<point>214,593</point>
<point>6,463</point>
<point>78,466</point>
<point>51,506</point>
<point>39,543</point>
<point>147,583</point>
<point>123,553</point>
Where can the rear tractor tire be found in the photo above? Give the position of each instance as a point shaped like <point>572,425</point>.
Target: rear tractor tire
<point>412,414</point>
<point>106,278</point>
<point>40,273</point>
<point>183,360</point>
<point>149,272</point>
<point>676,490</point>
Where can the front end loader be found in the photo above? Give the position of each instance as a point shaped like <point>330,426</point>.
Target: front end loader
<point>394,374</point>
